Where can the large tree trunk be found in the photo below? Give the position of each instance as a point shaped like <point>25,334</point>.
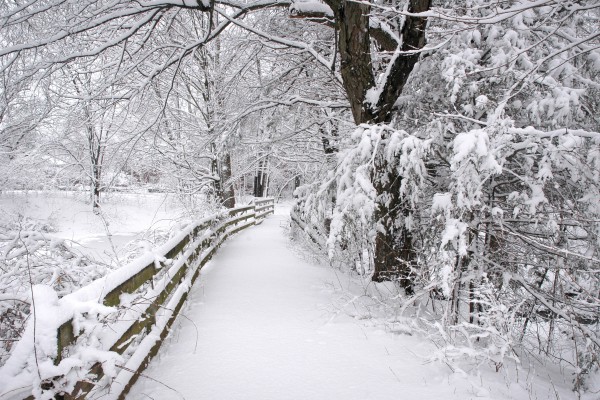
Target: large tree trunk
<point>394,253</point>
<point>355,56</point>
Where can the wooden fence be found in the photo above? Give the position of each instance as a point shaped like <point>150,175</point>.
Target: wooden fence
<point>160,284</point>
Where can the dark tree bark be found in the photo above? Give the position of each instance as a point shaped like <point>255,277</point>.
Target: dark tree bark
<point>352,20</point>
<point>355,56</point>
<point>394,252</point>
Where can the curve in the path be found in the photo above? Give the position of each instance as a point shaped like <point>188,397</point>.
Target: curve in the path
<point>259,327</point>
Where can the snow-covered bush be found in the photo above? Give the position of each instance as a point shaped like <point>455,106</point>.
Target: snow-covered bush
<point>496,151</point>
<point>29,257</point>
<point>506,232</point>
<point>518,151</point>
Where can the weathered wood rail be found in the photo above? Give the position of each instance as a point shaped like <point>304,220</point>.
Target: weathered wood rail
<point>159,283</point>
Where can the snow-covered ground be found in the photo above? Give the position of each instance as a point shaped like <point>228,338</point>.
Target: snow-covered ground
<point>125,217</point>
<point>53,238</point>
<point>263,323</point>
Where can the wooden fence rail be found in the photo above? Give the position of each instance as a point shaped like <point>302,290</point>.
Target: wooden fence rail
<point>159,283</point>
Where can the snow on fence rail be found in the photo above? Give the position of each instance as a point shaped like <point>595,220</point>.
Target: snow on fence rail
<point>96,341</point>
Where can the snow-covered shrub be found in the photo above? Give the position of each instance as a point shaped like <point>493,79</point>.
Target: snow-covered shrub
<point>517,152</point>
<point>29,257</point>
<point>343,207</point>
<point>506,230</point>
<point>496,147</point>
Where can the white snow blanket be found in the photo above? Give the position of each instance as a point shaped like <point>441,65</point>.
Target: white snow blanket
<point>261,324</point>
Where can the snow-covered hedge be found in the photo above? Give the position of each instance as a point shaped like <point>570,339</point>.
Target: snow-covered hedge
<point>505,223</point>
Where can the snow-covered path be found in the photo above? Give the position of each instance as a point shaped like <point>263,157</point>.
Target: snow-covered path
<point>259,325</point>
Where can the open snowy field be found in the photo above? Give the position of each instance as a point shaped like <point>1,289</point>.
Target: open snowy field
<point>125,217</point>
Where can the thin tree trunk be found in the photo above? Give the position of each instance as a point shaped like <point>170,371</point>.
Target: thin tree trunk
<point>260,179</point>
<point>394,252</point>
<point>216,172</point>
<point>228,193</point>
<point>455,300</point>
<point>96,189</point>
